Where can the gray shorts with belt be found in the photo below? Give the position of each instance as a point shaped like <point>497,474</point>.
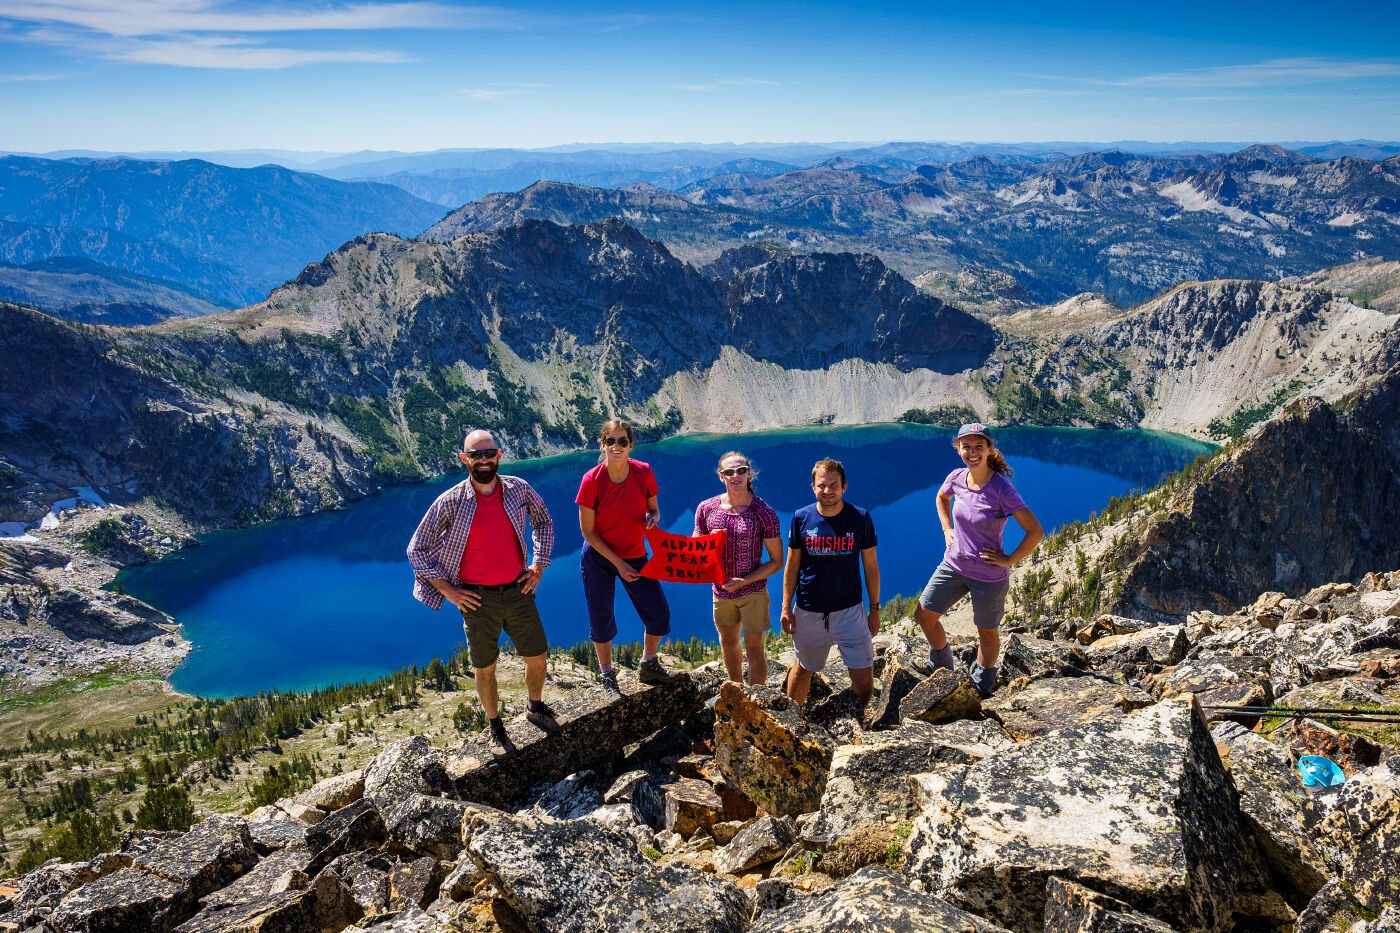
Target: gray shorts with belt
<point>947,586</point>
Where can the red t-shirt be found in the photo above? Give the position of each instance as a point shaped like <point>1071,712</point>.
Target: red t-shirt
<point>621,508</point>
<point>492,556</point>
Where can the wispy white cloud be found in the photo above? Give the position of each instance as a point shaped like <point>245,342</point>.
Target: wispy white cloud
<point>496,92</point>
<point>171,17</point>
<point>623,21</point>
<point>1262,74</point>
<point>707,87</point>
<point>7,79</point>
<point>213,34</point>
<point>1280,71</point>
<point>215,52</point>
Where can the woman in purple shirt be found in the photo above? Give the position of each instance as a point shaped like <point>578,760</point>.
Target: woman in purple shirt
<point>741,602</point>
<point>973,505</point>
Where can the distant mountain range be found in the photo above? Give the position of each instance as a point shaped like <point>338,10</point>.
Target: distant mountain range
<point>1128,226</point>
<point>224,236</point>
<point>999,232</point>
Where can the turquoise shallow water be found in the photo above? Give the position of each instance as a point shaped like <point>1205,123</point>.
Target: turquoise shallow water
<point>326,599</point>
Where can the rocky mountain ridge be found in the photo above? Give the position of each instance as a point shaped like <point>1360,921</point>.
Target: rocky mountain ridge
<point>1126,225</point>
<point>1310,497</point>
<point>88,291</point>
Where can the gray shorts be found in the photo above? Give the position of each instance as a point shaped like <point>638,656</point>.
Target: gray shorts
<point>848,629</point>
<point>947,586</point>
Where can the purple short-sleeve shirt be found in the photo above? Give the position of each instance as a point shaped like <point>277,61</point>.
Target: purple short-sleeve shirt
<point>979,517</point>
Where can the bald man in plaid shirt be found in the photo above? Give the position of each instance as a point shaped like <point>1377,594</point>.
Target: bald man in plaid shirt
<point>469,550</point>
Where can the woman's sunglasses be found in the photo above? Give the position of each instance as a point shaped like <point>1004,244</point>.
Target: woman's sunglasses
<point>734,471</point>
<point>617,441</point>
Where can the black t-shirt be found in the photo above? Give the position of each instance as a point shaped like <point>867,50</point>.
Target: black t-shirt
<point>829,575</point>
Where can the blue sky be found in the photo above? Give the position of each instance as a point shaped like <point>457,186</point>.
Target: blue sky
<point>200,74</point>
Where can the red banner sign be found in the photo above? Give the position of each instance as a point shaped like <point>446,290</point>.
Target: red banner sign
<point>682,559</point>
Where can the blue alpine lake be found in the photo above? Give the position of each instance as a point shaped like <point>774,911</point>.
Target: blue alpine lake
<point>312,601</point>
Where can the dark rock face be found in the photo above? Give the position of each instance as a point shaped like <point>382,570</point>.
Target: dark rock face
<point>897,681</point>
<point>322,906</point>
<point>874,900</point>
<point>573,876</point>
<point>366,877</point>
<point>943,696</point>
<point>130,899</point>
<point>1027,710</point>
<point>682,805</point>
<point>358,826</point>
<point>407,766</point>
<point>872,786</point>
<point>1073,908</point>
<point>595,729</point>
<point>886,319</point>
<point>423,824</point>
<point>415,883</point>
<point>209,856</point>
<point>769,751</point>
<point>1281,513</point>
<point>1283,818</point>
<point>760,842</point>
<point>1026,656</point>
<point>571,798</point>
<point>1140,808</point>
<point>1362,834</point>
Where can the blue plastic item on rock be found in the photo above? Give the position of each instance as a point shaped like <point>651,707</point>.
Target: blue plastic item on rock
<point>1318,771</point>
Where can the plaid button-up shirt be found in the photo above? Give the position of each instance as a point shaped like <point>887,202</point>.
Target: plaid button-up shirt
<point>435,551</point>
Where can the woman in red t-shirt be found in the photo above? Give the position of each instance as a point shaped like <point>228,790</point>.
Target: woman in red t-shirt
<point>616,505</point>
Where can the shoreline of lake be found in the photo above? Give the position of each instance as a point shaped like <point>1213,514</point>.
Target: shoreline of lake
<point>255,577</point>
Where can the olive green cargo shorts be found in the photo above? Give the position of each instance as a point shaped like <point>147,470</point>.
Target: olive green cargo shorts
<point>507,610</point>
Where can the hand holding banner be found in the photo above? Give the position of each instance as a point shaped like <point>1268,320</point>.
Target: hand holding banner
<point>682,559</point>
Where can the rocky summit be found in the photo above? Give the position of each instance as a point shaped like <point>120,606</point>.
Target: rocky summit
<point>1107,786</point>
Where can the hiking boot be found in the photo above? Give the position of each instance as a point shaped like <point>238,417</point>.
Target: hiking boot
<point>651,672</point>
<point>500,741</point>
<point>539,713</point>
<point>609,682</point>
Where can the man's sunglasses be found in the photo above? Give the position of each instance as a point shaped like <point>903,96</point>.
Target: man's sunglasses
<point>622,441</point>
<point>735,471</point>
<point>484,453</point>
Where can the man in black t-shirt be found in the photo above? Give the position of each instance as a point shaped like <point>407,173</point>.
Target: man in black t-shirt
<point>828,545</point>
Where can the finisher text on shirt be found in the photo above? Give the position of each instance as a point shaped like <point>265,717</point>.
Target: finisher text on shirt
<point>829,545</point>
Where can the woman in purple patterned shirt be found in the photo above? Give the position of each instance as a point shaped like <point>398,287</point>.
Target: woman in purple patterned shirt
<point>742,601</point>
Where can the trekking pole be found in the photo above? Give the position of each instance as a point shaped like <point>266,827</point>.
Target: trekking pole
<point>1323,713</point>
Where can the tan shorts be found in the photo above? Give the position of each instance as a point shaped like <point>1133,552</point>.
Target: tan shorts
<point>751,610</point>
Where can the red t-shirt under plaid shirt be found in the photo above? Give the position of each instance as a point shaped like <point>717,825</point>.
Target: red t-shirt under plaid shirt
<point>743,549</point>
